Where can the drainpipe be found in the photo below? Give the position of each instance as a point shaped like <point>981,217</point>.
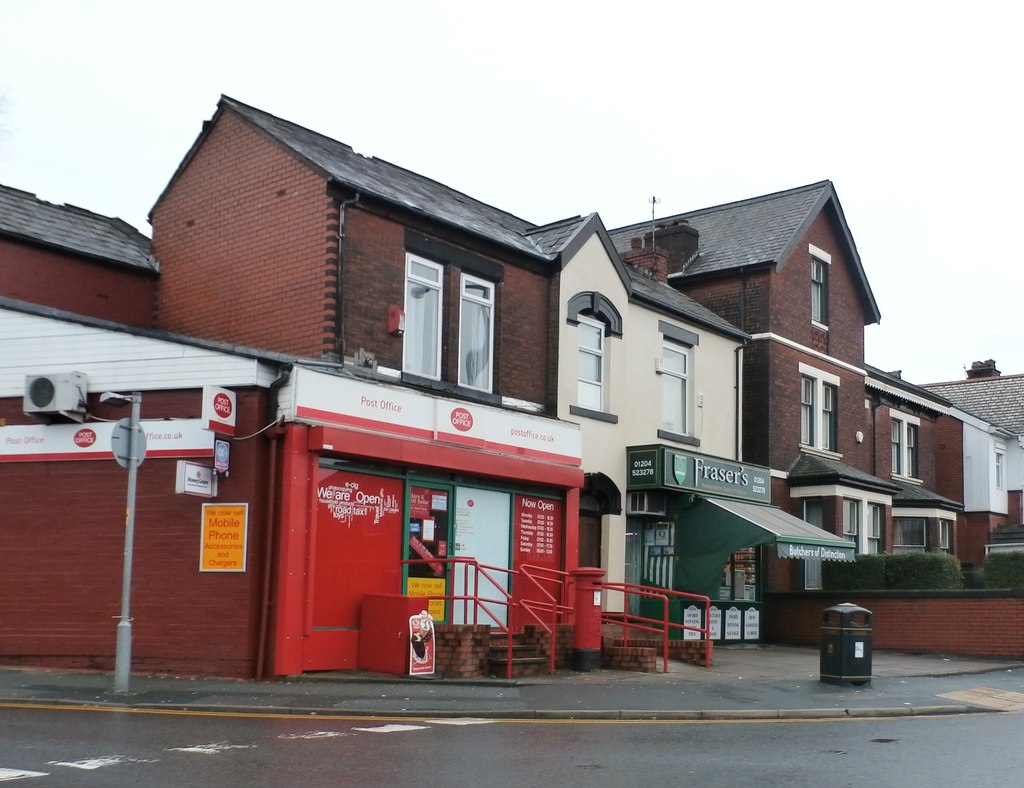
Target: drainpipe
<point>339,316</point>
<point>738,357</point>
<point>268,538</point>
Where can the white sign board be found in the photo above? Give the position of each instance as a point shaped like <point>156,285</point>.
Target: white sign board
<point>329,399</point>
<point>92,441</point>
<point>195,479</point>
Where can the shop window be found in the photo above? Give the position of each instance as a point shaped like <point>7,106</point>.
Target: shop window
<point>476,333</point>
<point>909,536</point>
<point>739,576</point>
<point>422,338</point>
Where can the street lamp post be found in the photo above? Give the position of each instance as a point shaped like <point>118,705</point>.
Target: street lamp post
<point>136,448</point>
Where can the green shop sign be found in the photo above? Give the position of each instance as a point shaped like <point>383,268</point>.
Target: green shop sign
<point>662,467</point>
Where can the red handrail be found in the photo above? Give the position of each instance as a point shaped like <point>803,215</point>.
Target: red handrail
<point>663,625</point>
<point>511,601</point>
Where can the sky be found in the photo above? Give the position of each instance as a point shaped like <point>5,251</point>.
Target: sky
<point>564,108</point>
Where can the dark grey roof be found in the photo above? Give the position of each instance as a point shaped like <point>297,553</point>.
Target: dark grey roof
<point>26,218</point>
<point>915,495</point>
<point>664,296</point>
<point>758,231</point>
<point>811,469</point>
<point>998,400</point>
<point>562,238</point>
<point>376,178</point>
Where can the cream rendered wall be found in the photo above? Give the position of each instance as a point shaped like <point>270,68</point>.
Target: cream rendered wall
<point>591,270</point>
<point>633,388</point>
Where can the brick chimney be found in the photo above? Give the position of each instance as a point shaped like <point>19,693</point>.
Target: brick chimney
<point>654,262</point>
<point>677,238</point>
<point>983,369</point>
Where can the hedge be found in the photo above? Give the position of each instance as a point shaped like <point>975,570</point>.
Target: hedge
<point>904,571</point>
<point>1004,570</point>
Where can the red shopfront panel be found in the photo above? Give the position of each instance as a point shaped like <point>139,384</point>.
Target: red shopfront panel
<point>537,541</point>
<point>356,549</point>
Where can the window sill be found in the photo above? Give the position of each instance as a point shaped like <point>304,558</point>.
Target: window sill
<point>818,325</point>
<point>689,440</point>
<point>832,455</point>
<point>597,415</point>
<point>908,479</point>
<point>445,387</point>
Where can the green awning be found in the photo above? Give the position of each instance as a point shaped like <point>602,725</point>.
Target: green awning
<point>712,529</point>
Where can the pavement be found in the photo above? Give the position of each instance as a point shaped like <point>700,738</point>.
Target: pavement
<point>745,683</point>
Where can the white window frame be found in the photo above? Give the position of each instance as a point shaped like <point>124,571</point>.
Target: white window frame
<point>820,261</point>
<point>1000,471</point>
<point>903,547</point>
<point>906,452</point>
<point>588,384</point>
<point>416,328</point>
<point>875,519</point>
<point>484,381</point>
<point>676,378</point>
<point>813,381</point>
<point>946,536</point>
<point>852,516</point>
<point>812,566</point>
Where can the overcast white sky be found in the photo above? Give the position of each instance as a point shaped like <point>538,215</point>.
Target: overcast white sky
<point>558,108</point>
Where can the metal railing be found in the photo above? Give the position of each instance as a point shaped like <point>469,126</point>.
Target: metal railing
<point>548,584</point>
<point>549,604</point>
<point>661,626</point>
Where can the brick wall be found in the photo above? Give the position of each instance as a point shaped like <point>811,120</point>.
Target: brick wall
<point>247,239</point>
<point>968,623</point>
<point>76,284</point>
<point>63,543</point>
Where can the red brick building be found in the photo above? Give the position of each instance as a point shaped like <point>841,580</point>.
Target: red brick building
<point>784,268</point>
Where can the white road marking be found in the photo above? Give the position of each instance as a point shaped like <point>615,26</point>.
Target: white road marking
<point>393,728</point>
<point>100,762</point>
<point>312,735</point>
<point>19,774</point>
<point>213,748</point>
<point>461,721</point>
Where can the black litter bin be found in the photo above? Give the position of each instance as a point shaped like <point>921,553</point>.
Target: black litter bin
<point>846,644</point>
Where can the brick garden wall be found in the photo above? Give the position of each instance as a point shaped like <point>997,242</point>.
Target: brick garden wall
<point>968,623</point>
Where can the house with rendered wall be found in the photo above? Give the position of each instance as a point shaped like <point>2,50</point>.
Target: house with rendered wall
<point>983,458</point>
<point>655,381</point>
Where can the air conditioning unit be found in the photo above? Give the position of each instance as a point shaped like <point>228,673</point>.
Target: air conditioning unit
<point>647,503</point>
<point>60,394</point>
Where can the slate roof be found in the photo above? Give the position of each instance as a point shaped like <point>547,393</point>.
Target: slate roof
<point>811,469</point>
<point>998,400</point>
<point>376,178</point>
<point>757,231</point>
<point>916,495</point>
<point>26,218</point>
<point>561,238</point>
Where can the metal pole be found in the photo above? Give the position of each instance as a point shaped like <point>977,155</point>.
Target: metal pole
<point>123,654</point>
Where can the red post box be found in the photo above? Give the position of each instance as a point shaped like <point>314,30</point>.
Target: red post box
<point>586,633</point>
